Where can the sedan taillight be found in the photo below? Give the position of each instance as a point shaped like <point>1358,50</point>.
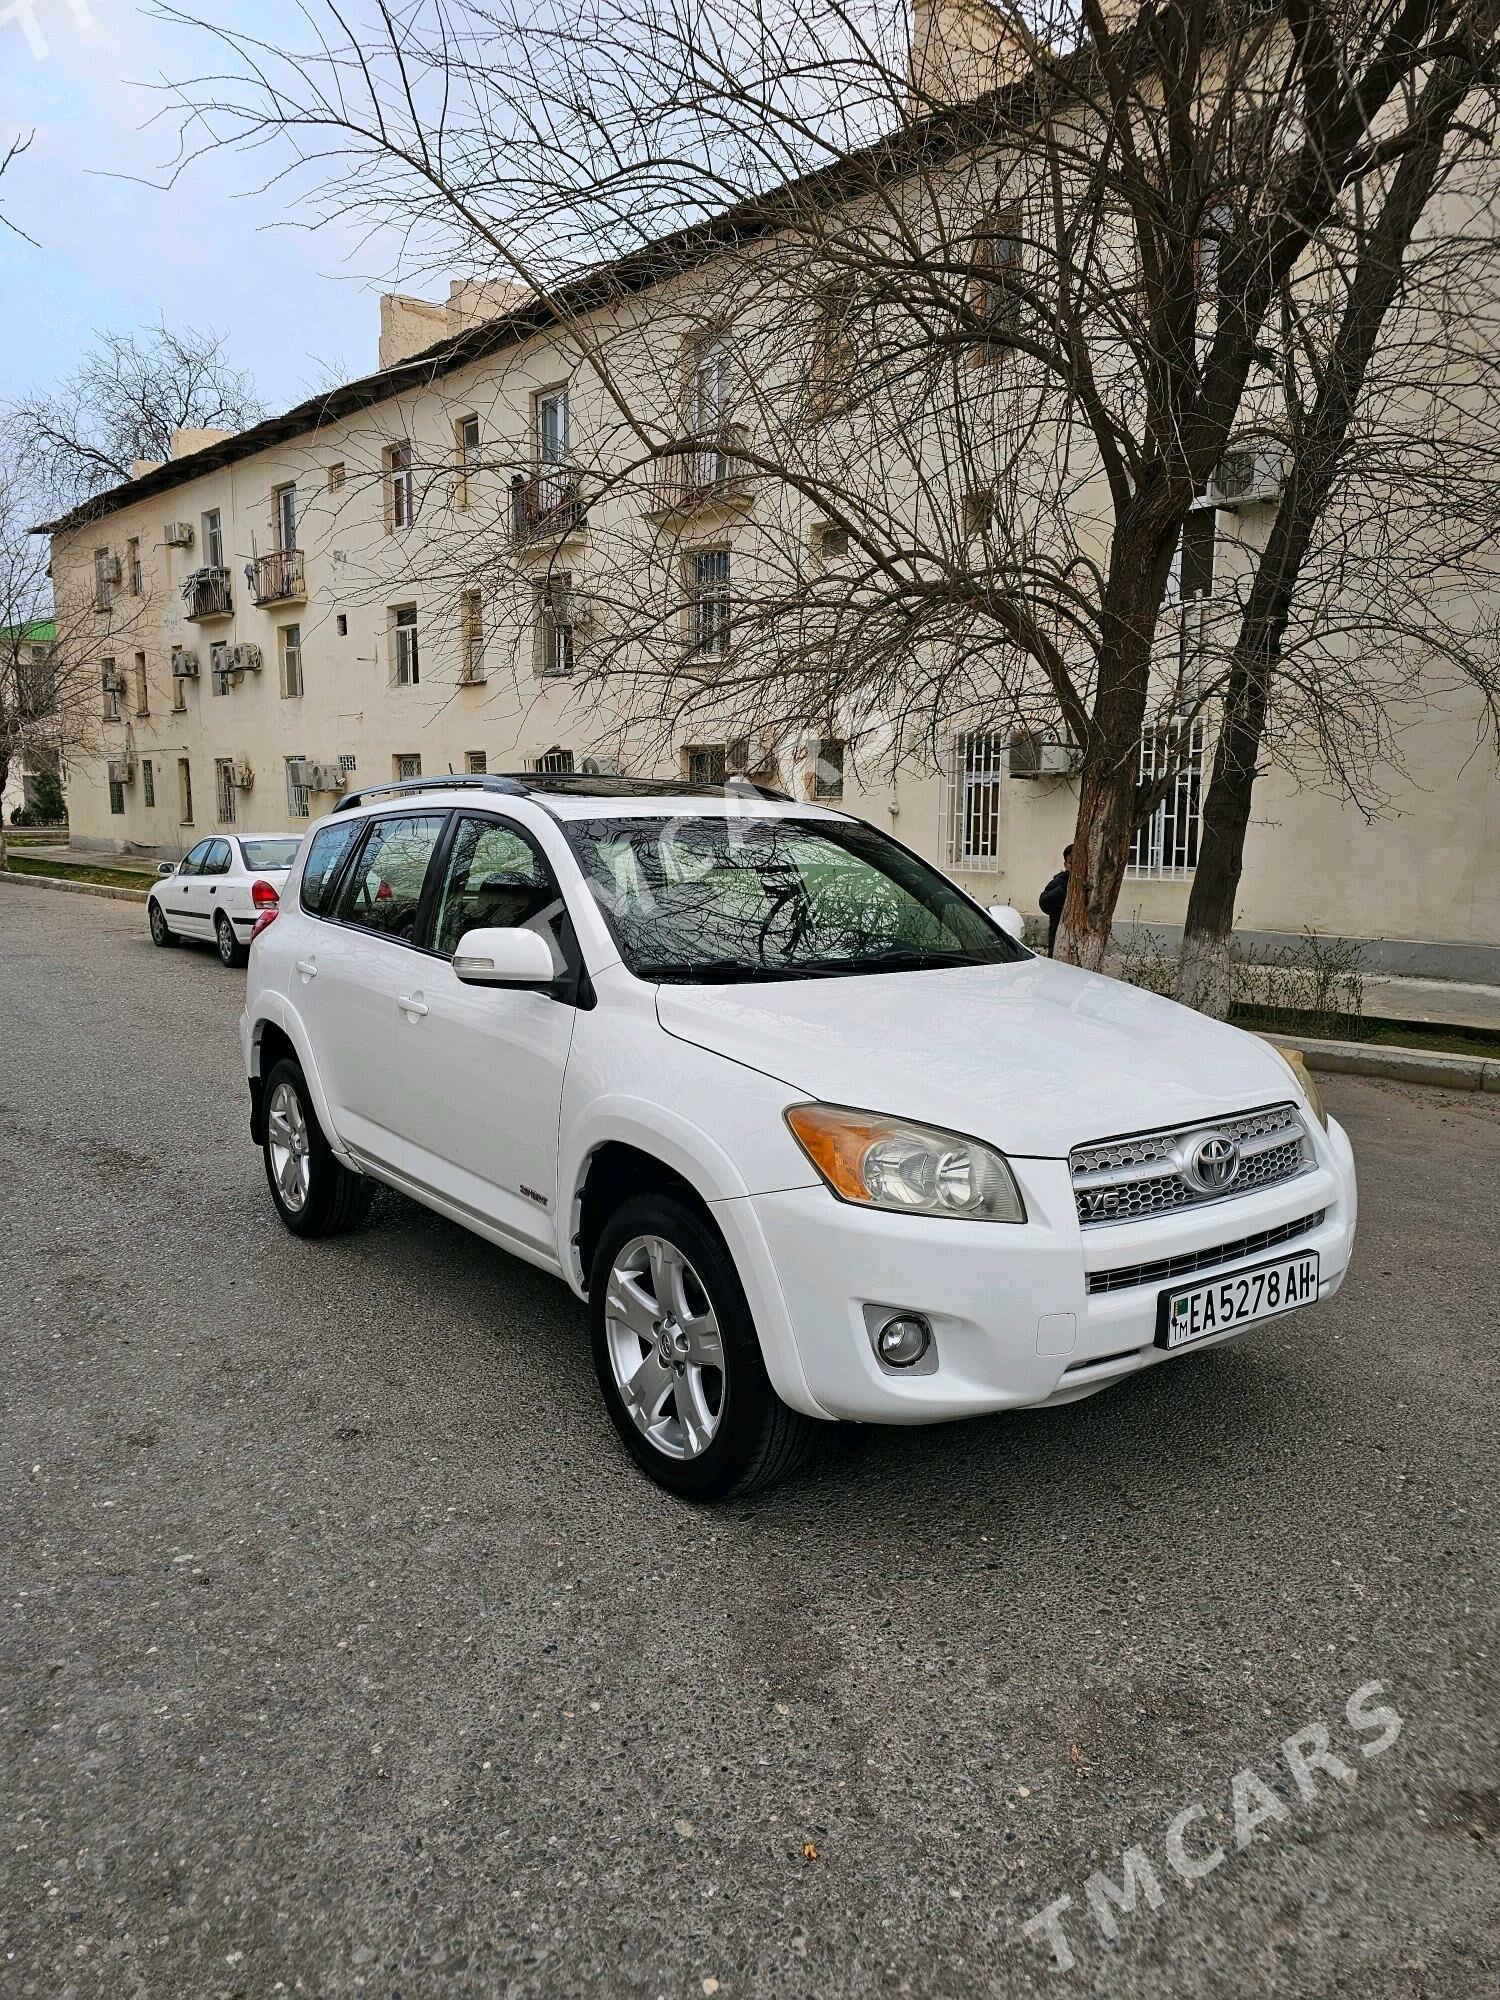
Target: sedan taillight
<point>264,895</point>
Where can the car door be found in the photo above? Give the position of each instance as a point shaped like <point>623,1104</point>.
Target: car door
<point>209,884</point>
<point>181,893</point>
<point>361,964</point>
<point>479,1069</point>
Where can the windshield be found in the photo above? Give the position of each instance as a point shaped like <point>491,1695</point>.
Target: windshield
<point>270,853</point>
<point>739,898</point>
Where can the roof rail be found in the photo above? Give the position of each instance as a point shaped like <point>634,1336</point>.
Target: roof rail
<point>483,781</point>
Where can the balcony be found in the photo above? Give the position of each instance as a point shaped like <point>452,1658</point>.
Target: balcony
<point>277,578</point>
<point>548,503</point>
<point>700,472</point>
<point>206,594</point>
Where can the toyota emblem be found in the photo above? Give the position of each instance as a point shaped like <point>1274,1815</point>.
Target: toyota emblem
<point>1212,1164</point>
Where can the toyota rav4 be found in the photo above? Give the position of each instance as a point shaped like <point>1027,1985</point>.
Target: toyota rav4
<point>813,1134</point>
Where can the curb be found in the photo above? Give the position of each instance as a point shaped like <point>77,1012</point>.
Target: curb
<point>76,888</point>
<point>1396,1065</point>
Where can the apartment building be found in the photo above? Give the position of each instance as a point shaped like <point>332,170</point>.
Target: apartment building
<point>402,578</point>
<point>26,661</point>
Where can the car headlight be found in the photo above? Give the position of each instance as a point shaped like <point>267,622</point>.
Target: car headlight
<point>913,1169</point>
<point>1296,1062</point>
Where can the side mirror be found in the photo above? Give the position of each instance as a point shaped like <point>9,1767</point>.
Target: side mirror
<point>166,868</point>
<point>1010,921</point>
<point>504,958</point>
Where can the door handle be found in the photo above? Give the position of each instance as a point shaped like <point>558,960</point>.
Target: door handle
<point>308,968</point>
<point>411,1003</point>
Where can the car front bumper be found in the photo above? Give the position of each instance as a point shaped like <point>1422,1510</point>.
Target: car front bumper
<point>1014,1321</point>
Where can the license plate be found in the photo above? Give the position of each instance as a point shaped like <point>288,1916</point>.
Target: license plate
<point>1219,1304</point>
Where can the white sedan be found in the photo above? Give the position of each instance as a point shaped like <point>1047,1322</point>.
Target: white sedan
<point>219,889</point>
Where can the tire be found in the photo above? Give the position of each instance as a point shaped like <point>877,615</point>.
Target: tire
<point>705,1430</point>
<point>231,951</point>
<point>161,934</point>
<point>322,1197</point>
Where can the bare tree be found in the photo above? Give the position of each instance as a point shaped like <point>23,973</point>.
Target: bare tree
<point>122,404</point>
<point>19,145</point>
<point>979,360</point>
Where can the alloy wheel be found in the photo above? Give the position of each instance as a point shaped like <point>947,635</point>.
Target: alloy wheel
<point>226,941</point>
<point>287,1143</point>
<point>665,1346</point>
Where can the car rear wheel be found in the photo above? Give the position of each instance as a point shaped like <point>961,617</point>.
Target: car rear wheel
<point>231,951</point>
<point>678,1359</point>
<point>315,1194</point>
<point>161,933</point>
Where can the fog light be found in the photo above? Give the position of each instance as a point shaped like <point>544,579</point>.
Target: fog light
<point>902,1341</point>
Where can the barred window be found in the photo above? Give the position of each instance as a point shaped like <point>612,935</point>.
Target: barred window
<point>709,602</point>
<point>1167,844</point>
<point>971,800</point>
<point>224,789</point>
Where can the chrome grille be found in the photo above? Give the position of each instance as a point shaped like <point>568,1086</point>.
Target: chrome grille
<point>1152,1173</point>
<point>1126,1275</point>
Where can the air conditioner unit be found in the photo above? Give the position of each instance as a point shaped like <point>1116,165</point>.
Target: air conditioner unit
<point>1248,476</point>
<point>244,776</point>
<point>299,771</point>
<point>1034,756</point>
<point>121,770</point>
<point>112,680</point>
<point>245,659</point>
<point>178,535</point>
<point>326,778</point>
<point>185,664</point>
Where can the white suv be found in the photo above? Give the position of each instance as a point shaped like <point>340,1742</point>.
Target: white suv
<point>812,1133</point>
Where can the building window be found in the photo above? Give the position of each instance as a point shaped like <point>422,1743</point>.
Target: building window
<point>705,764</point>
<point>284,516</point>
<point>296,792</point>
<point>830,541</point>
<point>1168,842</point>
<point>999,251</point>
<point>552,428</point>
<point>971,802</point>
<point>116,796</point>
<point>348,762</point>
<point>471,635</point>
<point>708,602</point>
<point>400,494</point>
<point>341,624</point>
<point>148,782</point>
<point>554,625</point>
<point>218,666</point>
<point>407,764</point>
<point>213,540</point>
<point>133,565</point>
<point>289,647</point>
<point>707,380</point>
<point>405,666</point>
<point>184,791</point>
<point>476,762</point>
<point>831,365</point>
<point>465,457</point>
<point>142,686</point>
<point>335,477</point>
<point>224,790</point>
<point>557,761</point>
<point>104,578</point>
<point>828,770</point>
<point>109,681</point>
<point>179,685</point>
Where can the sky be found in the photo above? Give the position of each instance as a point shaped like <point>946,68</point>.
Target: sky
<point>120,249</point>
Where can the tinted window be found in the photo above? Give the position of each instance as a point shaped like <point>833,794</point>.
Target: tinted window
<point>216,861</point>
<point>329,846</point>
<point>192,862</point>
<point>495,878</point>
<point>270,853</point>
<point>737,898</point>
<point>385,888</point>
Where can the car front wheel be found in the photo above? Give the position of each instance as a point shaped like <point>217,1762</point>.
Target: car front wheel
<point>315,1194</point>
<point>678,1359</point>
<point>161,934</point>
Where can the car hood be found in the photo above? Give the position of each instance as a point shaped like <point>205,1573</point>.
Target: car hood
<point>1035,1057</point>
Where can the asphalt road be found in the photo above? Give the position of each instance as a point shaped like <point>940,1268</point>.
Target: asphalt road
<point>345,1653</point>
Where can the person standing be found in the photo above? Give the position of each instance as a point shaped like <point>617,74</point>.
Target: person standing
<point>1052,899</point>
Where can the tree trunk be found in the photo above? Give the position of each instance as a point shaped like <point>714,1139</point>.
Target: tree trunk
<point>1209,925</point>
<point>1101,851</point>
